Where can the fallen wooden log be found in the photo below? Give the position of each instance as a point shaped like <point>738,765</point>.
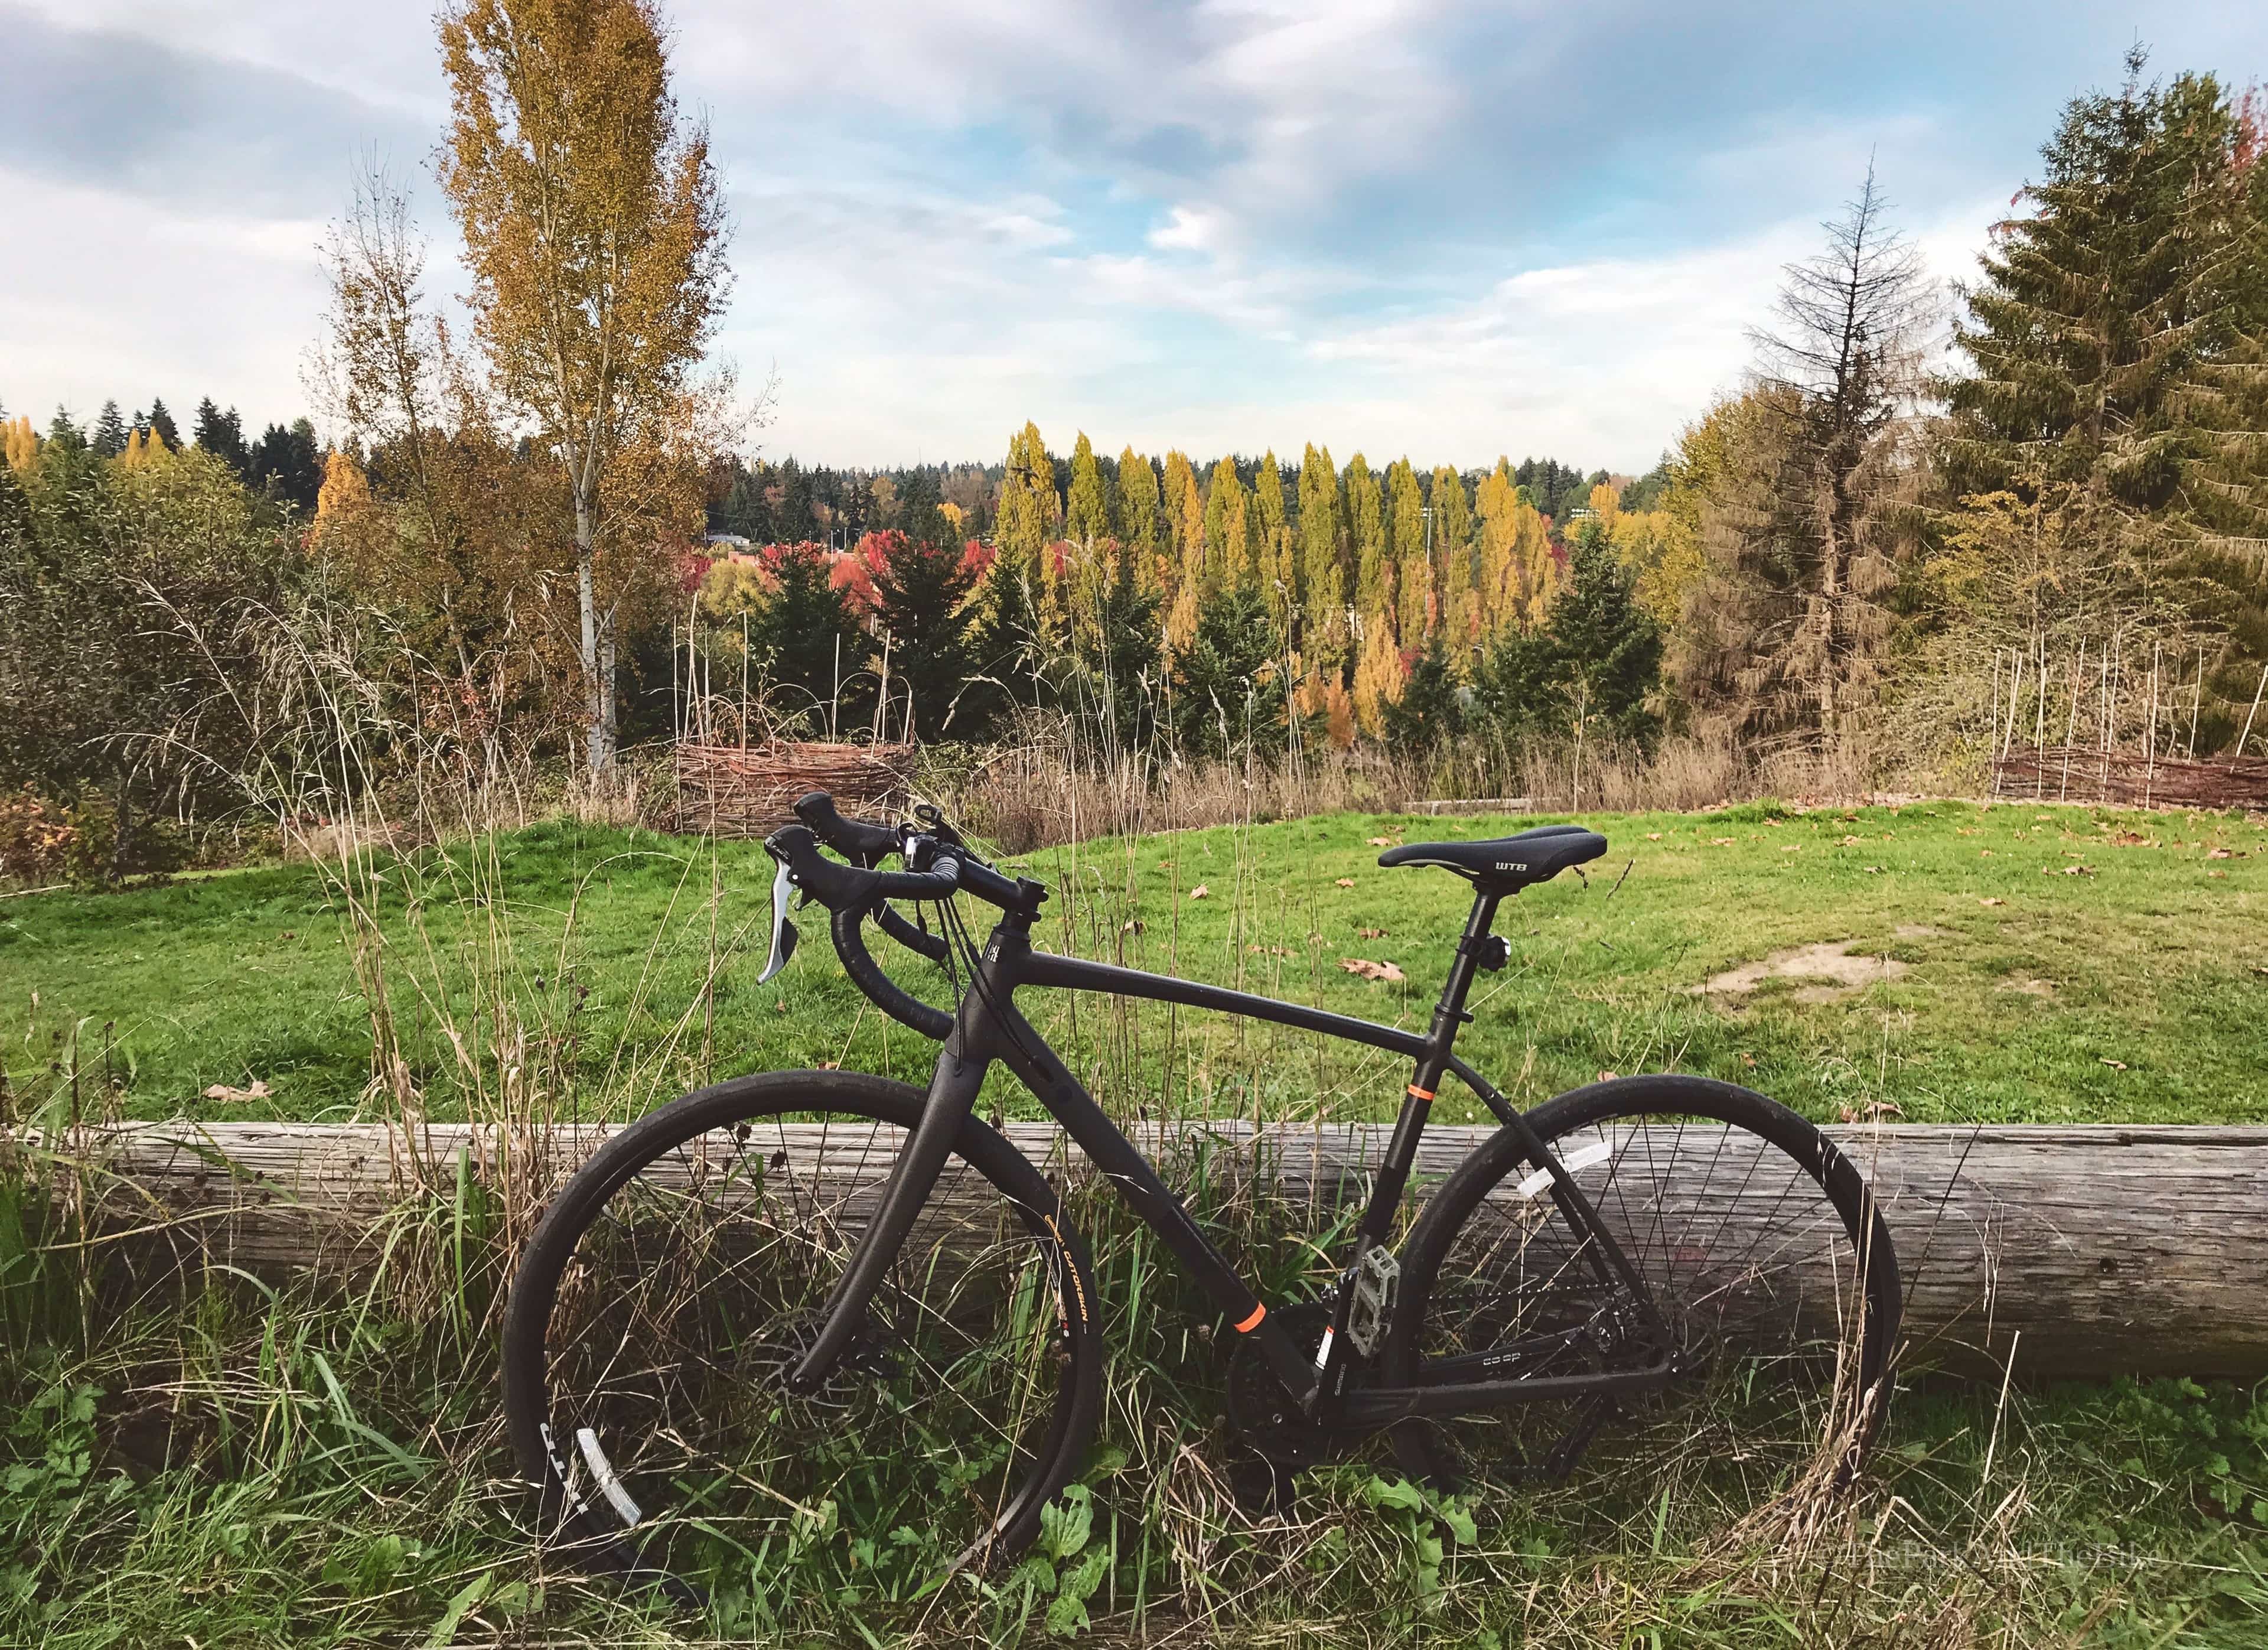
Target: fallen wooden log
<point>2085,1250</point>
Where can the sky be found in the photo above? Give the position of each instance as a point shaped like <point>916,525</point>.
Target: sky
<point>1451,231</point>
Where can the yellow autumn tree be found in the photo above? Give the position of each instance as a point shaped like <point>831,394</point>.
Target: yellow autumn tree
<point>1184,509</point>
<point>1519,574</point>
<point>23,443</point>
<point>1662,547</point>
<point>595,230</point>
<point>1378,676</point>
<point>343,499</point>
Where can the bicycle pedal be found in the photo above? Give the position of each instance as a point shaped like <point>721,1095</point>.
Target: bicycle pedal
<point>1377,1280</point>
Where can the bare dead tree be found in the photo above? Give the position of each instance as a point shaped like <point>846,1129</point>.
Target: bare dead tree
<point>1839,375</point>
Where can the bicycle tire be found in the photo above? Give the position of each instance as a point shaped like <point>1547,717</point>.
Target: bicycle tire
<point>1491,1260</point>
<point>785,1218</point>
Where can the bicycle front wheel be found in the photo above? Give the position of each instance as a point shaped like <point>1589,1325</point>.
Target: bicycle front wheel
<point>1770,1269</point>
<point>682,1271</point>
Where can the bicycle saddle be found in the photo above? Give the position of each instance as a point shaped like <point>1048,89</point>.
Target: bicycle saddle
<point>1504,865</point>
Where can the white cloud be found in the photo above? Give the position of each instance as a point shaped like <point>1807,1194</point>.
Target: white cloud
<point>112,297</point>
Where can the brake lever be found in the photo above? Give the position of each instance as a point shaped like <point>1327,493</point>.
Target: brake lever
<point>783,934</point>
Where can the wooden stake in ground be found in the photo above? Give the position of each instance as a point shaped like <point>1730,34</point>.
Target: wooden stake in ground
<point>2238,752</point>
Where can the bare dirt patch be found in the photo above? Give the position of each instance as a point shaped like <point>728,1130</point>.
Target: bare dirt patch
<point>1829,961</point>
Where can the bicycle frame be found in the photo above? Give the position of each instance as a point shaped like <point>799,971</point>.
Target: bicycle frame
<point>988,1026</point>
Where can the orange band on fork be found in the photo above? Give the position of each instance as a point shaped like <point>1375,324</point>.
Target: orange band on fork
<point>1420,1093</point>
<point>1259,1311</point>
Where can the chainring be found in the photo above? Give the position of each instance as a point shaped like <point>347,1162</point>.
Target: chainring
<point>1268,1419</point>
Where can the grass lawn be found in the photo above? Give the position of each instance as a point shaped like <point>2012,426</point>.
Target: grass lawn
<point>2058,963</point>
<point>262,1466</point>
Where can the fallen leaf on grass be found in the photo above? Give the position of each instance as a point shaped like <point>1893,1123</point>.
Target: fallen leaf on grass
<point>1370,933</point>
<point>831,1065</point>
<point>222,1091</point>
<point>1850,842</point>
<point>2218,853</point>
<point>2116,1065</point>
<point>1346,882</point>
<point>2216,873</point>
<point>1363,967</point>
<point>1720,841</point>
<point>1653,836</point>
<point>1606,1076</point>
<point>1272,951</point>
<point>1200,892</point>
<point>1872,1111</point>
<point>2068,871</point>
<point>1992,902</point>
<point>1381,842</point>
<point>1134,925</point>
<point>1793,848</point>
<point>2134,839</point>
<point>1871,870</point>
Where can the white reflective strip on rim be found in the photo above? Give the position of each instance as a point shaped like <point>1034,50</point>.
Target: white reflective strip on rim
<point>1323,1351</point>
<point>1598,1152</point>
<point>603,1470</point>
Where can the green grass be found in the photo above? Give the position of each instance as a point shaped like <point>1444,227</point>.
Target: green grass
<point>237,1464</point>
<point>2131,990</point>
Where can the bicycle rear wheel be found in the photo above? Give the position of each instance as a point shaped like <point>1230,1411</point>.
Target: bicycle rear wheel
<point>682,1272</point>
<point>1761,1250</point>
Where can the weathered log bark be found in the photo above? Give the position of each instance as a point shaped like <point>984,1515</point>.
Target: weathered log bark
<point>2085,1250</point>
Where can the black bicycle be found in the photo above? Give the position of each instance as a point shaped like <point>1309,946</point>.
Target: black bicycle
<point>811,1306</point>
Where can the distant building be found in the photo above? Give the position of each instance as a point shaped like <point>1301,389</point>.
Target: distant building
<point>727,542</point>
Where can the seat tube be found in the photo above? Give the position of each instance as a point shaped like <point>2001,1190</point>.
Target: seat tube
<point>1417,1099</point>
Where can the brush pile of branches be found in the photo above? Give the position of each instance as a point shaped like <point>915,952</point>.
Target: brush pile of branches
<point>2138,779</point>
<point>746,791</point>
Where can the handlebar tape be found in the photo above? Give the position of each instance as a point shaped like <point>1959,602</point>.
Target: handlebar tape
<point>880,990</point>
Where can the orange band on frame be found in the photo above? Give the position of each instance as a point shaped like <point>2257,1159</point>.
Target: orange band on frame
<point>1251,1323</point>
<point>1420,1093</point>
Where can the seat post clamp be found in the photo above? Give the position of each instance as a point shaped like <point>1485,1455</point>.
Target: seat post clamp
<point>1490,952</point>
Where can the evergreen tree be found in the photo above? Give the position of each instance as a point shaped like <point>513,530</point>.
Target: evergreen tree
<point>222,435</point>
<point>921,604</point>
<point>161,423</point>
<point>1086,512</point>
<point>793,520</point>
<point>63,435</point>
<point>1013,660</point>
<point>110,432</point>
<point>1227,686</point>
<point>814,648</point>
<point>1429,714</point>
<point>1606,648</point>
<point>1138,516</point>
<point>2095,306</point>
<point>285,464</point>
